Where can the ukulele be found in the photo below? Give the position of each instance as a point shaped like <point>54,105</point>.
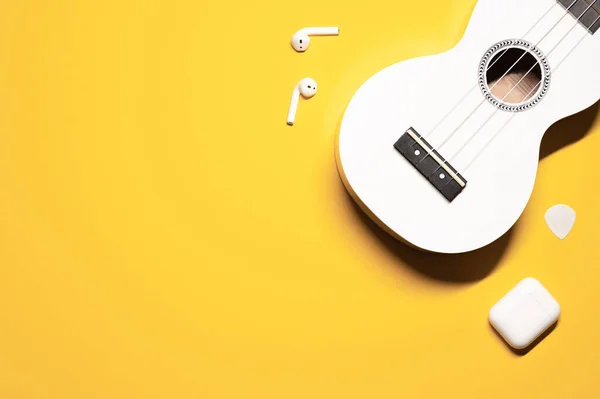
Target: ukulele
<point>442,151</point>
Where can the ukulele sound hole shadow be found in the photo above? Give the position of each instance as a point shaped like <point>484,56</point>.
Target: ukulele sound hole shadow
<point>514,76</point>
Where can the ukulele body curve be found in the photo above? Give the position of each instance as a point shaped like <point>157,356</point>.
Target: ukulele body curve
<point>436,107</point>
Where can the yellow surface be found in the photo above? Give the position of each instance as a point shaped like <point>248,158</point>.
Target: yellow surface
<point>164,234</point>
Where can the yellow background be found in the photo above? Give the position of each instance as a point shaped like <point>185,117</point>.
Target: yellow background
<point>164,234</point>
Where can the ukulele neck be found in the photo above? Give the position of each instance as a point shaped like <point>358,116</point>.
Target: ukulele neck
<point>590,19</point>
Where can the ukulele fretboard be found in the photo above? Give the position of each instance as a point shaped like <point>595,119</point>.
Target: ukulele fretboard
<point>590,19</point>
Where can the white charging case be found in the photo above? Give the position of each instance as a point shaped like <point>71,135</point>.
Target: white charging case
<point>525,313</point>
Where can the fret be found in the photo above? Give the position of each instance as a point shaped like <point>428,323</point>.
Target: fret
<point>590,19</point>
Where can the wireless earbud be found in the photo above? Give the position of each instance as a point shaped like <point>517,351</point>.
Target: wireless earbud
<point>308,88</point>
<point>301,39</point>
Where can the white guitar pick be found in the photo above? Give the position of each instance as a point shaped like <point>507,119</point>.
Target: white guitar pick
<point>560,219</point>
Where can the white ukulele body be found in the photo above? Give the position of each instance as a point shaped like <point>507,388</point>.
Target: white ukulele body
<point>493,150</point>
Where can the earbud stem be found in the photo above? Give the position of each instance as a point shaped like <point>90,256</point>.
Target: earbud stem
<point>322,31</point>
<point>293,106</point>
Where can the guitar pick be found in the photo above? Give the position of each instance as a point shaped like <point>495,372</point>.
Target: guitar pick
<point>560,218</point>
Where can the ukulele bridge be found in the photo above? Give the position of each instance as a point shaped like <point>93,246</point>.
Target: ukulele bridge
<point>430,164</point>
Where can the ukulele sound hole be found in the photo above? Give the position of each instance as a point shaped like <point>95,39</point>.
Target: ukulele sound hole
<point>514,76</point>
